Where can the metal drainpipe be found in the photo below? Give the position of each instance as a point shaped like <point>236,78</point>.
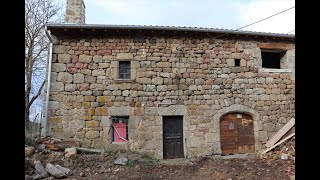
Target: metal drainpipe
<point>49,83</point>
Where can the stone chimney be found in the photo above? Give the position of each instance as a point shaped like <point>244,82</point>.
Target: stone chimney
<point>75,12</point>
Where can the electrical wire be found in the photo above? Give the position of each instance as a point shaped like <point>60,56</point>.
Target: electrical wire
<point>291,31</point>
<point>258,21</point>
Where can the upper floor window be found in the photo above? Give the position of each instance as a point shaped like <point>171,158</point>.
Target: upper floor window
<point>124,69</point>
<point>272,58</point>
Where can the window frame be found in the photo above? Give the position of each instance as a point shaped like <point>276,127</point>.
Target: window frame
<point>280,53</point>
<point>126,70</point>
<point>275,70</point>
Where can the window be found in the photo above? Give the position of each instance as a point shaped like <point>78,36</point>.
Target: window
<point>124,69</point>
<point>237,62</point>
<point>272,58</point>
<point>120,129</point>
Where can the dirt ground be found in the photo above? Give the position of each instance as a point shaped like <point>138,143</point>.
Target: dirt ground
<point>142,167</point>
<point>206,168</point>
<point>99,167</point>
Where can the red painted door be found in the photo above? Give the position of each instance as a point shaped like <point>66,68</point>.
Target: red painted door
<point>119,131</point>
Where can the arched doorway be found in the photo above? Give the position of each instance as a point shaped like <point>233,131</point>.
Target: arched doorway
<point>236,133</point>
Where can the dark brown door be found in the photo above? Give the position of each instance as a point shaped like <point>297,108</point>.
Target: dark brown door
<point>172,137</point>
<point>236,133</point>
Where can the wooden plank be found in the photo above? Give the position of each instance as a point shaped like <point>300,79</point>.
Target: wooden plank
<point>89,151</point>
<point>283,140</point>
<point>280,133</point>
<point>281,46</point>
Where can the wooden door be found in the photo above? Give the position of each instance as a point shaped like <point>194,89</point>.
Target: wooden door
<point>237,135</point>
<point>172,137</point>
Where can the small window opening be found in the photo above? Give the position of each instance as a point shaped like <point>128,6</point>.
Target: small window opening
<point>120,129</point>
<point>124,69</point>
<point>237,62</point>
<point>271,58</point>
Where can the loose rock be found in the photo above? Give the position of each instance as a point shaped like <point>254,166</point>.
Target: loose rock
<point>121,160</point>
<point>70,153</point>
<point>55,172</point>
<point>41,170</point>
<point>29,151</point>
<point>64,170</point>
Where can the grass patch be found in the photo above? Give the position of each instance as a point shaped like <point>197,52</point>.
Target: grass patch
<point>131,162</point>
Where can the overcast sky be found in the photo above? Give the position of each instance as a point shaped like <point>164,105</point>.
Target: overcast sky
<point>226,14</point>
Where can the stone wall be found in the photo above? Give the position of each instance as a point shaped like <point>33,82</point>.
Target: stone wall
<point>196,78</point>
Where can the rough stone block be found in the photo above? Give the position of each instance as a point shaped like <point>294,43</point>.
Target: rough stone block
<point>236,55</point>
<point>144,80</point>
<point>269,127</point>
<point>70,87</point>
<point>59,49</point>
<point>124,56</point>
<point>125,86</point>
<point>78,78</point>
<point>153,58</point>
<point>97,87</point>
<point>85,58</point>
<point>199,82</point>
<point>70,153</point>
<point>104,65</point>
<point>243,63</point>
<point>92,124</point>
<point>92,134</point>
<point>58,67</point>
<point>151,88</point>
<point>125,93</point>
<point>269,80</point>
<point>157,80</point>
<point>193,88</point>
<point>140,58</point>
<point>86,105</point>
<point>57,86</point>
<point>163,64</point>
<point>105,121</point>
<point>101,111</point>
<point>102,99</point>
<point>107,58</point>
<point>113,87</point>
<point>64,77</point>
<point>98,73</point>
<point>97,59</point>
<point>64,58</point>
<point>87,118</point>
<point>116,93</point>
<point>263,136</point>
<point>86,143</point>
<point>86,71</point>
<point>162,88</point>
<point>224,76</point>
<point>230,62</point>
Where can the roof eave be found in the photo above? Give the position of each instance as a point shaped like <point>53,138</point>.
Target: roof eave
<point>165,28</point>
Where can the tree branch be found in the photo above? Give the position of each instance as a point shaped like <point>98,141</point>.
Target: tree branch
<point>37,95</point>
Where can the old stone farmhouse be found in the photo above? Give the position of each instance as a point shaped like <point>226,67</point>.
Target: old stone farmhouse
<point>167,91</point>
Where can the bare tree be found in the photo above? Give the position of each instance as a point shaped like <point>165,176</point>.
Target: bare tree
<point>38,13</point>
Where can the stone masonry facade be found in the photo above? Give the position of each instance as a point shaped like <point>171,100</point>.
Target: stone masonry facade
<point>170,75</point>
